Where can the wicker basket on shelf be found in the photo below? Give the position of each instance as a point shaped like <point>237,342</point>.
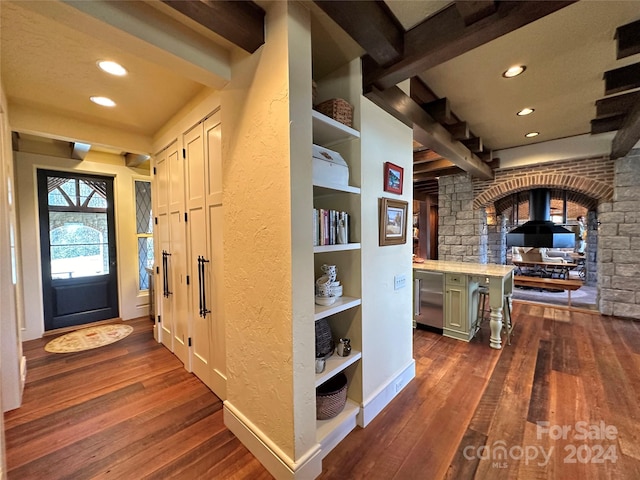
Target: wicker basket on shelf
<point>331,397</point>
<point>338,109</point>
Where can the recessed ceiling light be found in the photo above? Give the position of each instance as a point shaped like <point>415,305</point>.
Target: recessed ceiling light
<point>104,101</point>
<point>532,134</point>
<point>112,67</point>
<point>514,71</point>
<point>525,111</point>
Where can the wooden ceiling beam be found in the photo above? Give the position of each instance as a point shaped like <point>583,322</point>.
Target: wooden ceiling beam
<point>430,167</point>
<point>474,10</point>
<point>420,92</point>
<point>622,79</point>
<point>427,186</point>
<point>607,124</point>
<point>427,131</point>
<point>444,36</point>
<point>241,22</point>
<point>459,131</point>
<point>628,39</point>
<point>617,105</point>
<point>486,156</point>
<point>425,156</point>
<point>424,184</point>
<point>371,25</point>
<point>440,110</point>
<point>474,144</point>
<point>437,173</point>
<point>425,192</point>
<point>628,134</point>
<point>494,163</point>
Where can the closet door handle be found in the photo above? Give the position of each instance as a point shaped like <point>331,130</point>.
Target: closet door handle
<point>200,285</point>
<point>204,290</point>
<point>165,271</point>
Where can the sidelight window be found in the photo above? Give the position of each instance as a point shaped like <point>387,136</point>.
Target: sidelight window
<point>144,232</point>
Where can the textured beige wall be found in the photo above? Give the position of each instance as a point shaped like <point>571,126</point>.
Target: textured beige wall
<point>10,294</point>
<point>301,227</point>
<point>263,326</point>
<point>6,316</point>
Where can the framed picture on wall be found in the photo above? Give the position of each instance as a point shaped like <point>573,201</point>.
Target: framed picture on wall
<point>393,221</point>
<point>393,178</point>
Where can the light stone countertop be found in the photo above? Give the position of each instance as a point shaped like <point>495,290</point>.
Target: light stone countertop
<point>468,268</point>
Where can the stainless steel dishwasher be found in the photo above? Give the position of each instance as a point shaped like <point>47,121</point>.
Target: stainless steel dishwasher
<point>428,293</point>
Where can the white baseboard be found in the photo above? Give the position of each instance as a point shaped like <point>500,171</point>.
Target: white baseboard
<point>280,465</point>
<point>219,384</point>
<point>373,405</point>
<point>23,371</point>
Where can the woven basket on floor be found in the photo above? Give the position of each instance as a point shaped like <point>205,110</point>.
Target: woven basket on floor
<point>338,109</point>
<point>331,397</point>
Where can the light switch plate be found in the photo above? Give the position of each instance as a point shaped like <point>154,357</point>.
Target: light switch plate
<point>399,281</point>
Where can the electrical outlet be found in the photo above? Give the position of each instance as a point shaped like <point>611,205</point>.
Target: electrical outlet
<point>399,281</point>
<point>398,386</point>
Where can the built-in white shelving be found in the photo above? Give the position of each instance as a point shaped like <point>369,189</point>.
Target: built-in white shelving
<point>323,189</point>
<point>335,364</point>
<point>342,304</point>
<point>328,132</point>
<point>331,432</point>
<point>339,247</point>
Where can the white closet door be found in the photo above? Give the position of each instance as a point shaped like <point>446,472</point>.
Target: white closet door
<point>163,247</point>
<point>214,269</point>
<point>172,252</point>
<point>178,285</point>
<point>198,254</point>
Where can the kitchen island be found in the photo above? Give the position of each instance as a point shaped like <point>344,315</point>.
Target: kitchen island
<point>461,284</point>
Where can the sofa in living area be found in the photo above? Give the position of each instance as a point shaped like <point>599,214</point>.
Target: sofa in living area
<point>541,254</point>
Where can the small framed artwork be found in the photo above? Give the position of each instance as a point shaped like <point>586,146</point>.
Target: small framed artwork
<point>393,178</point>
<point>393,221</point>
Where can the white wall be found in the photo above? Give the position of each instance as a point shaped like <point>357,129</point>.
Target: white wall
<point>387,314</point>
<point>131,303</point>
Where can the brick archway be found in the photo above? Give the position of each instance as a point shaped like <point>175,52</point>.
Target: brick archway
<point>598,190</point>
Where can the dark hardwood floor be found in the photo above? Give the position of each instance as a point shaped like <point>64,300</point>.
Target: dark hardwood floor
<point>129,411</point>
<point>124,411</point>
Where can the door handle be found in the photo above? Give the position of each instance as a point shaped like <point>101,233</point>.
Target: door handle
<point>203,288</point>
<point>200,285</point>
<point>165,271</point>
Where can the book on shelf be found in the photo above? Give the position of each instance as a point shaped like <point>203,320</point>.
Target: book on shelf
<point>316,234</point>
<point>330,227</point>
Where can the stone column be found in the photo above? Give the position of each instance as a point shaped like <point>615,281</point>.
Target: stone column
<point>497,241</point>
<point>462,230</point>
<point>591,251</point>
<point>618,258</point>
